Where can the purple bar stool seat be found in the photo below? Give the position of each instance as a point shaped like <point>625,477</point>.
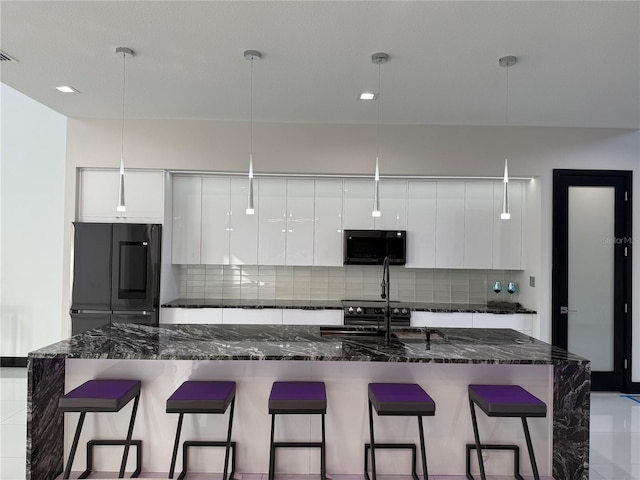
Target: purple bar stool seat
<point>103,395</point>
<point>504,401</point>
<point>203,397</point>
<point>296,398</point>
<point>399,399</point>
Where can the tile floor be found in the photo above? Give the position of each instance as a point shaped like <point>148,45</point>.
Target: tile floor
<point>615,436</point>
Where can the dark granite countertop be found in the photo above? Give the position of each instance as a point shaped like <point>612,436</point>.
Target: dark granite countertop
<point>333,305</point>
<point>253,303</point>
<point>296,342</point>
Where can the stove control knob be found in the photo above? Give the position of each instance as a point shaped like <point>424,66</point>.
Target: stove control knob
<point>378,311</point>
<point>358,310</point>
<point>396,311</point>
<point>350,310</point>
<point>405,311</point>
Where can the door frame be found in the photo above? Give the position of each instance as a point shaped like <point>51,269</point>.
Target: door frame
<point>621,261</point>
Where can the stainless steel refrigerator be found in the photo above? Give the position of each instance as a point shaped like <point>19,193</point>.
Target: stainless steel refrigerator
<point>116,274</point>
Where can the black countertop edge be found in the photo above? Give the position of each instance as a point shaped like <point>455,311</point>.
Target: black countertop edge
<point>334,305</point>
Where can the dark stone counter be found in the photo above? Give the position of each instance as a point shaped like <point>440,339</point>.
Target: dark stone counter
<point>307,343</point>
<point>334,305</point>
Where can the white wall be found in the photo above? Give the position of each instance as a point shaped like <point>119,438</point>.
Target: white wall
<point>350,149</point>
<point>33,151</point>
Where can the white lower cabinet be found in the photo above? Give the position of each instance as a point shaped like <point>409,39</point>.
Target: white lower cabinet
<point>294,316</point>
<point>252,316</point>
<point>190,315</point>
<point>523,322</point>
<point>442,319</point>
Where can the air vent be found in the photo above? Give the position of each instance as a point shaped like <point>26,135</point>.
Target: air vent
<point>6,58</point>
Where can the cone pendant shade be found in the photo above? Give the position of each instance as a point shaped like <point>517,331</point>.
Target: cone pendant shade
<point>121,203</point>
<point>505,215</point>
<point>250,209</point>
<point>376,192</point>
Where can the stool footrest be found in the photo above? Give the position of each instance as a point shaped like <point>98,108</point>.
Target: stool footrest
<point>396,446</point>
<point>92,443</point>
<point>493,446</point>
<point>206,443</point>
<point>298,444</point>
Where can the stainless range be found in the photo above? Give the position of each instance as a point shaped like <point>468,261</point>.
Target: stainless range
<point>371,312</point>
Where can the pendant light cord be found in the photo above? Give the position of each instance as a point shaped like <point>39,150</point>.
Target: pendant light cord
<point>378,120</point>
<point>124,79</point>
<point>251,112</point>
<point>506,103</point>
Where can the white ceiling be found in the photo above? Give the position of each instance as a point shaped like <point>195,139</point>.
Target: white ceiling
<point>579,61</point>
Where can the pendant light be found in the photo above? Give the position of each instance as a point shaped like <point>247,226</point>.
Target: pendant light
<point>252,56</point>
<point>124,51</point>
<point>505,215</point>
<point>378,59</point>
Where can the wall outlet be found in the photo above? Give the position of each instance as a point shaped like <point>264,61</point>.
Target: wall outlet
<point>532,281</point>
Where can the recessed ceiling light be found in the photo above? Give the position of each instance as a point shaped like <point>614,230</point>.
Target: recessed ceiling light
<point>66,89</point>
<point>367,96</point>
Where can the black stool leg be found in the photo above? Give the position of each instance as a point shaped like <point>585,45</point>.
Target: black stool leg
<point>176,443</point>
<point>228,447</point>
<point>425,472</point>
<point>476,436</point>
<point>272,449</point>
<point>127,443</point>
<point>74,445</point>
<point>371,439</point>
<point>532,457</point>
<point>323,454</point>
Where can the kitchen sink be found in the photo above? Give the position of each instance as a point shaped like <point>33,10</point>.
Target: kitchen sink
<point>347,332</point>
<point>406,334</point>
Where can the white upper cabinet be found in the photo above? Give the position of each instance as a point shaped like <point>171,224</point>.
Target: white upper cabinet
<point>300,222</point>
<point>421,224</point>
<point>216,208</point>
<point>393,205</point>
<point>478,225</point>
<point>187,220</point>
<point>98,196</point>
<point>327,238</point>
<point>450,225</point>
<point>507,234</point>
<point>243,228</point>
<point>272,216</point>
<point>358,205</point>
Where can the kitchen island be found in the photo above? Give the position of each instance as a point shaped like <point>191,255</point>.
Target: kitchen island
<point>443,362</point>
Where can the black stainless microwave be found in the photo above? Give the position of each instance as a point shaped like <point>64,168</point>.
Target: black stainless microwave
<point>370,247</point>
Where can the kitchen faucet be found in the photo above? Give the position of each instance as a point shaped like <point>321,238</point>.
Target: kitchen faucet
<point>385,294</point>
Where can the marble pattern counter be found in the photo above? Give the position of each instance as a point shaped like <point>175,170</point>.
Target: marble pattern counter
<point>571,373</point>
<point>334,305</point>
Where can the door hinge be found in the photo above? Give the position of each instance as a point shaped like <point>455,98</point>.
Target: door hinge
<point>626,199</point>
<point>625,251</point>
<point>625,308</point>
<point>625,364</point>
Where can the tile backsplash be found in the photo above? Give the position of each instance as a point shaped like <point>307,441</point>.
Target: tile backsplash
<point>338,283</point>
